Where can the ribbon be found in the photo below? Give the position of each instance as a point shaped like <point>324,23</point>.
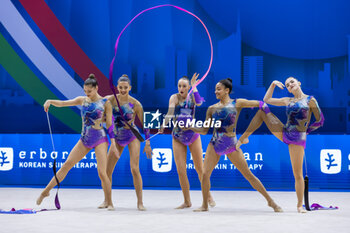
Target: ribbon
<point>118,38</point>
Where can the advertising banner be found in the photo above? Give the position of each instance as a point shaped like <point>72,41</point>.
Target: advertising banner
<point>27,159</point>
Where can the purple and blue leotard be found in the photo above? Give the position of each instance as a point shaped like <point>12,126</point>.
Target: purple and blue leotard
<point>299,114</point>
<point>184,113</point>
<point>123,136</point>
<point>93,132</point>
<point>222,143</point>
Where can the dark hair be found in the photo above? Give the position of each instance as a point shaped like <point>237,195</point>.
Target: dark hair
<point>124,78</point>
<point>91,81</point>
<point>185,78</point>
<point>227,83</point>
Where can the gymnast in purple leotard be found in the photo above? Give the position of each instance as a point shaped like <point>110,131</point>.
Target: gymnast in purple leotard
<point>124,136</point>
<point>224,138</point>
<point>130,108</point>
<point>299,114</point>
<point>93,135</point>
<point>293,133</point>
<point>224,141</point>
<point>181,109</point>
<point>93,132</point>
<point>185,111</point>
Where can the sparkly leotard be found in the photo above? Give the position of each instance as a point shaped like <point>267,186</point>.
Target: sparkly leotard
<point>93,132</point>
<point>123,136</point>
<point>183,113</point>
<point>296,128</point>
<point>222,143</point>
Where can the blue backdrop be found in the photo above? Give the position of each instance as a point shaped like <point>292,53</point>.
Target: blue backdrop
<point>255,42</point>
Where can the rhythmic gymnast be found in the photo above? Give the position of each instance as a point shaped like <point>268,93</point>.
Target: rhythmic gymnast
<point>125,137</point>
<point>294,132</point>
<point>93,135</point>
<point>183,110</point>
<point>224,141</point>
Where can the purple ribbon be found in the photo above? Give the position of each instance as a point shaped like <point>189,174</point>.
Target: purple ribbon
<point>316,206</point>
<point>24,211</point>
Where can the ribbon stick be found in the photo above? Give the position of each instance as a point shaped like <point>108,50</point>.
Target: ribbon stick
<point>152,136</point>
<point>57,202</point>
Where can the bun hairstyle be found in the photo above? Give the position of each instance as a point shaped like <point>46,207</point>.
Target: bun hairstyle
<point>227,83</point>
<point>185,78</point>
<point>124,78</point>
<point>91,81</point>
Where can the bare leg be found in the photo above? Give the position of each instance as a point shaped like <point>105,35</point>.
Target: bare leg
<point>210,161</point>
<point>271,121</point>
<point>180,156</point>
<point>111,162</point>
<point>237,158</point>
<point>101,159</point>
<point>134,149</point>
<point>77,153</point>
<point>296,157</point>
<point>197,156</point>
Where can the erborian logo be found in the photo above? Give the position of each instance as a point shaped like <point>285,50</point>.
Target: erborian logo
<point>6,158</point>
<point>330,161</point>
<point>162,160</point>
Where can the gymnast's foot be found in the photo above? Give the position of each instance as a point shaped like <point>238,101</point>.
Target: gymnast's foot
<point>103,205</point>
<point>140,207</point>
<point>110,207</point>
<point>184,206</point>
<point>201,209</point>
<point>211,202</point>
<point>239,143</point>
<point>301,210</point>
<point>41,197</point>
<point>275,207</point>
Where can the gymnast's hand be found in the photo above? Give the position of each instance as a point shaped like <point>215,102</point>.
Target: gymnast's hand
<point>194,79</point>
<point>148,150</point>
<point>47,105</point>
<point>130,123</point>
<point>114,151</point>
<point>279,84</point>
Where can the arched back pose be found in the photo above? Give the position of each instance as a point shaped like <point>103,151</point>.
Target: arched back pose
<point>181,110</point>
<point>293,133</point>
<point>130,107</point>
<point>224,141</point>
<point>93,135</point>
